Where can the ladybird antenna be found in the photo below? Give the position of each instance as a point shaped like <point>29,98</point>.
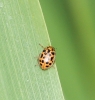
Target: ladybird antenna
<point>41,45</point>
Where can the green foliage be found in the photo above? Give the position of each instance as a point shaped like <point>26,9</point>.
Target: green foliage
<point>71,25</point>
<point>22,28</point>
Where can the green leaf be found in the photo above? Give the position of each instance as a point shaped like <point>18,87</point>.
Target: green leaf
<point>22,28</point>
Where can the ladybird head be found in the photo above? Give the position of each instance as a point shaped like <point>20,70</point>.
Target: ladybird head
<point>51,48</point>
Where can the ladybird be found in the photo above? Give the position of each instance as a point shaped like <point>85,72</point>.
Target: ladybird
<point>47,57</point>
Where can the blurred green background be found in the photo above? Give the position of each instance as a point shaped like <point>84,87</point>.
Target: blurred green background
<point>71,26</point>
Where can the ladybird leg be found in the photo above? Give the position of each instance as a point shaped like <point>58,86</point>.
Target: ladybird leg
<point>41,45</point>
<point>37,56</point>
<point>37,63</point>
<point>53,64</point>
<point>53,67</point>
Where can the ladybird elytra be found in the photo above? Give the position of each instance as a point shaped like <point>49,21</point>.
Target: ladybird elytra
<point>47,57</point>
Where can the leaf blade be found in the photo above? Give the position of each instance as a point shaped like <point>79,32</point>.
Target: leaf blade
<point>23,28</point>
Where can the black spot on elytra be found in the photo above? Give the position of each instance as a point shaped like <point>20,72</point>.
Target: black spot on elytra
<point>49,63</point>
<point>41,55</point>
<point>44,50</point>
<point>39,60</point>
<point>40,64</point>
<point>48,51</point>
<point>52,49</point>
<point>46,62</point>
<point>47,66</point>
<point>51,58</point>
<point>52,53</point>
<point>42,61</point>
